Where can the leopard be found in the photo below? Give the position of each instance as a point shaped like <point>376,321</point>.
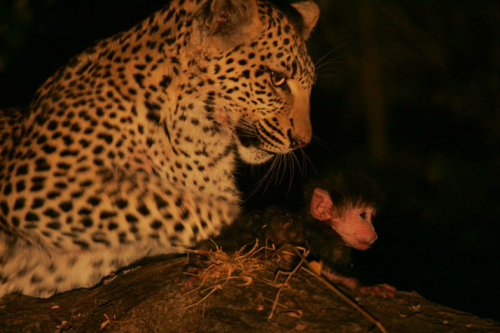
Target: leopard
<point>131,149</point>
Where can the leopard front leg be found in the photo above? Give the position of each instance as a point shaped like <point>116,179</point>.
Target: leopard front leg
<point>114,223</point>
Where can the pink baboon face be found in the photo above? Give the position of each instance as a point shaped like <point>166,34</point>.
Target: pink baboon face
<point>355,226</point>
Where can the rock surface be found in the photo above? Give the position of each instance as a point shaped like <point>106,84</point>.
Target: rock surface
<point>153,298</point>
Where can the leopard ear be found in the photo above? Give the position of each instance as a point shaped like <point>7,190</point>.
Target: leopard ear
<point>230,22</point>
<point>309,11</point>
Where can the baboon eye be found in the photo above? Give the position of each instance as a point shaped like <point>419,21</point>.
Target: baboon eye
<point>277,79</point>
<point>363,215</point>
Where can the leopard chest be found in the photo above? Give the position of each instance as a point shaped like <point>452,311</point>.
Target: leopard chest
<point>189,152</point>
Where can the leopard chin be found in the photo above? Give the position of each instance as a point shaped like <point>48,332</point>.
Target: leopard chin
<point>253,155</point>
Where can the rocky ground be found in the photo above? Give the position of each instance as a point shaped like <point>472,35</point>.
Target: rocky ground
<point>237,293</point>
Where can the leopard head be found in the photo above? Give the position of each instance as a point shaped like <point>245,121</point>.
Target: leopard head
<point>260,73</point>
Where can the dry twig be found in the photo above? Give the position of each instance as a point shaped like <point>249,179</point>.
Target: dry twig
<point>340,293</point>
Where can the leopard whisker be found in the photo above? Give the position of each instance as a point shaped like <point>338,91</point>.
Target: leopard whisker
<point>318,63</point>
<point>291,158</point>
<point>282,168</point>
<point>322,143</point>
<point>333,61</point>
<point>256,186</point>
<point>308,159</point>
<point>275,172</point>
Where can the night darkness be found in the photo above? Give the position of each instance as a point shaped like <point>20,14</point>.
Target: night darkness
<point>407,92</point>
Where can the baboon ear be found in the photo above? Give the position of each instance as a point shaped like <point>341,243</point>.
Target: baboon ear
<point>321,205</point>
<point>231,22</point>
<point>309,11</point>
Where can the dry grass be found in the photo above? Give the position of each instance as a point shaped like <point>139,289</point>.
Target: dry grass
<point>224,268</point>
<point>243,266</point>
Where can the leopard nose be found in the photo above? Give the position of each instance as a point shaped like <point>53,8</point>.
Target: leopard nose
<point>297,140</point>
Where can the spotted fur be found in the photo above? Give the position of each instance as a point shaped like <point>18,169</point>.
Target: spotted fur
<point>130,149</point>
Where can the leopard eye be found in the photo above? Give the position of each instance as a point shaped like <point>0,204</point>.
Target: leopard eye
<point>277,79</point>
